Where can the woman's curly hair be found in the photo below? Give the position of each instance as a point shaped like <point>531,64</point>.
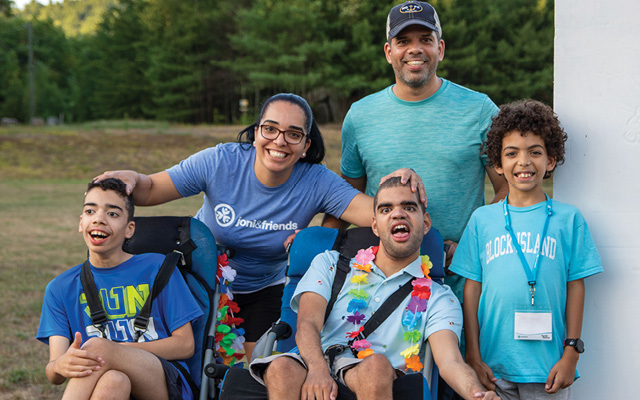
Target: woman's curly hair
<point>525,117</point>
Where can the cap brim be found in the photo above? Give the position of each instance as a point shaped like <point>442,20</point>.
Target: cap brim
<point>413,21</point>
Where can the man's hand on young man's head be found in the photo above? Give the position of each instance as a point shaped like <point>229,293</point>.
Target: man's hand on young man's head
<point>409,175</point>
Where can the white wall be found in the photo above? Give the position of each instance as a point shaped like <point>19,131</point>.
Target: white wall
<point>597,97</point>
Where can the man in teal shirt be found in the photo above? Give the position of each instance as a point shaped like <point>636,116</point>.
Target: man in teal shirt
<point>423,122</point>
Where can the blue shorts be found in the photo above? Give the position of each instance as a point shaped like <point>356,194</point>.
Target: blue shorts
<point>177,386</point>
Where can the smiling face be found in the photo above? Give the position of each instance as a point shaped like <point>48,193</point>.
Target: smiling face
<point>105,225</point>
<point>275,158</point>
<point>400,223</point>
<point>414,55</point>
<point>524,162</point>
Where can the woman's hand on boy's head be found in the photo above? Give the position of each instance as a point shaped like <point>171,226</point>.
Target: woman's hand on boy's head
<point>75,362</point>
<point>129,177</point>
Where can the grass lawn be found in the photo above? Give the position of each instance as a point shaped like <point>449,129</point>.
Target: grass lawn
<point>43,173</point>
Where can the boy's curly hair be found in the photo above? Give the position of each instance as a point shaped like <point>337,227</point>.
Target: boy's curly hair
<point>525,116</point>
<point>117,186</point>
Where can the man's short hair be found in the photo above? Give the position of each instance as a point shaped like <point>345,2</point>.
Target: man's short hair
<point>117,186</point>
<point>412,13</point>
<point>395,182</point>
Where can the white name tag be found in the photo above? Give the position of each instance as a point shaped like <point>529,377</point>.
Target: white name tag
<point>533,326</point>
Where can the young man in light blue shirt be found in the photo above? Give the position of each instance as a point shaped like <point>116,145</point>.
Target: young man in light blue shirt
<point>401,222</point>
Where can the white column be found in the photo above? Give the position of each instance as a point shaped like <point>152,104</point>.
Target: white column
<point>597,97</point>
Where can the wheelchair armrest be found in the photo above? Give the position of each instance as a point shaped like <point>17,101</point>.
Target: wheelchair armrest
<point>279,331</point>
<point>215,371</point>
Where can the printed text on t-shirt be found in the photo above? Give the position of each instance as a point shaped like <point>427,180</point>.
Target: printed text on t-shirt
<point>503,245</point>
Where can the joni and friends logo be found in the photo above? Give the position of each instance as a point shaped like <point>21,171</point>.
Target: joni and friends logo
<point>225,215</point>
<point>411,8</point>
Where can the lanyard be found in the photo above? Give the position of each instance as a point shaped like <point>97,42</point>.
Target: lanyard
<point>532,273</point>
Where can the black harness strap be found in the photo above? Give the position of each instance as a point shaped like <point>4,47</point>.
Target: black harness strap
<point>385,310</point>
<point>142,319</point>
<point>390,304</point>
<point>98,316</point>
<point>342,269</point>
<point>141,322</point>
<point>194,388</point>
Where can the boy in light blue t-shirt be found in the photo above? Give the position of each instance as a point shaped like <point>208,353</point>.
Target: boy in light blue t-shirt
<point>525,260</point>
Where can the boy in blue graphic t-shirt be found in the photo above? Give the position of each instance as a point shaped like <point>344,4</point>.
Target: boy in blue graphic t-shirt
<point>115,365</point>
<point>525,260</point>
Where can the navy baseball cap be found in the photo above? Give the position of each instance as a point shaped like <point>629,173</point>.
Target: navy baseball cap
<point>412,13</point>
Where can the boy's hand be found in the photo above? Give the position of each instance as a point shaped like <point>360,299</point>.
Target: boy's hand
<point>320,386</point>
<point>75,362</point>
<point>563,373</point>
<point>449,256</point>
<point>485,374</point>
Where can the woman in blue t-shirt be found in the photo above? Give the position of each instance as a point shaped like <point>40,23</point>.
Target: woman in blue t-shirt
<point>258,193</point>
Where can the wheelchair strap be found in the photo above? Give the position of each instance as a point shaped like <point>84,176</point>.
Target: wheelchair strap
<point>142,319</point>
<point>342,269</point>
<point>141,322</point>
<point>194,388</point>
<point>383,312</point>
<point>98,316</point>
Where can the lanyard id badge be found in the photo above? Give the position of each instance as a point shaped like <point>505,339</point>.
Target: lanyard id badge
<point>536,325</point>
<point>531,273</point>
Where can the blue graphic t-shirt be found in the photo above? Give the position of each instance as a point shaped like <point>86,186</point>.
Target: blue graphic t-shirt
<point>487,254</point>
<point>123,289</point>
<point>251,218</point>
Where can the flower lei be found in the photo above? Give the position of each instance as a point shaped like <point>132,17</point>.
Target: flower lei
<point>411,319</point>
<point>229,339</point>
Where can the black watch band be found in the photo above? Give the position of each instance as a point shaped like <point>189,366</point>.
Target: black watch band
<point>576,344</point>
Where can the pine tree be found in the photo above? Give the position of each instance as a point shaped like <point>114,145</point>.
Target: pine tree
<point>122,89</point>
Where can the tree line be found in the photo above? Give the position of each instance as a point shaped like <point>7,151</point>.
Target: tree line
<point>193,61</point>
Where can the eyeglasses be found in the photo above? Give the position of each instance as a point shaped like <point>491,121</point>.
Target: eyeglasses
<point>270,132</point>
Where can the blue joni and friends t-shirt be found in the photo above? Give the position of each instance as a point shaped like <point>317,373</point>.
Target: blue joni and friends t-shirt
<point>251,218</point>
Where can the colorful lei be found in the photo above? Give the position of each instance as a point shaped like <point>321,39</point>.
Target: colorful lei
<point>229,339</point>
<point>412,317</point>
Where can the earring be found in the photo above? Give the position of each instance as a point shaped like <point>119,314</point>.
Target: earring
<point>304,155</point>
<point>254,143</point>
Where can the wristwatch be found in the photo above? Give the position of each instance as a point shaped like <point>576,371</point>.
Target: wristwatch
<point>576,344</point>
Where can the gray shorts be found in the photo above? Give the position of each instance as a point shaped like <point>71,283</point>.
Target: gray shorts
<point>529,391</point>
<point>340,366</point>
